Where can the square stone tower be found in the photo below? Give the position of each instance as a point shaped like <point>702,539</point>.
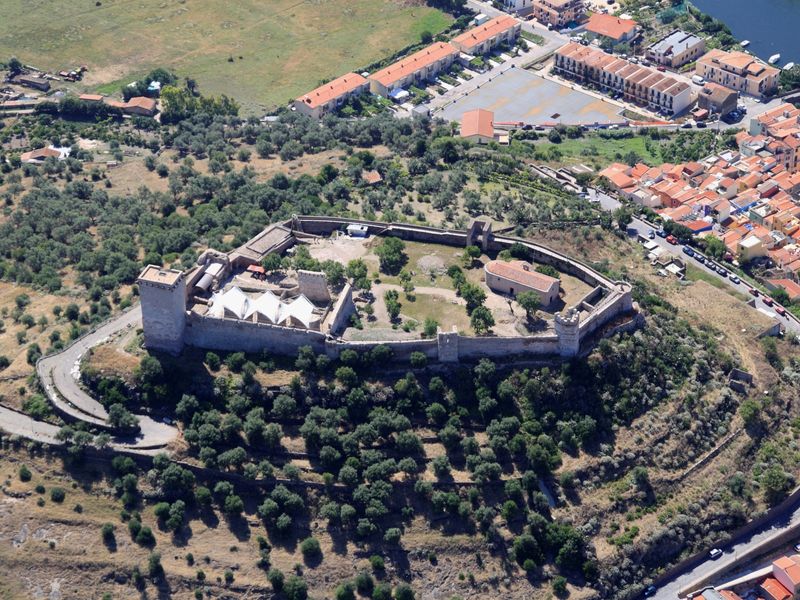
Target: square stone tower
<point>163,294</point>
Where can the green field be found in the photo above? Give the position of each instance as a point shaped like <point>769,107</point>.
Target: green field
<point>593,148</point>
<point>279,49</point>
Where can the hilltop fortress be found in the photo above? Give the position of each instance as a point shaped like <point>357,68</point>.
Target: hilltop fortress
<point>231,302</point>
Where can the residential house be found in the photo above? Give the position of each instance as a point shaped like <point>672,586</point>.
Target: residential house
<point>787,571</point>
<point>772,589</point>
<point>790,287</point>
<point>141,106</point>
<point>676,49</point>
<point>478,126</point>
<point>38,156</point>
<point>738,71</point>
<point>717,99</point>
<point>330,96</point>
<point>484,38</point>
<point>611,29</point>
<point>558,13</point>
<point>414,69</point>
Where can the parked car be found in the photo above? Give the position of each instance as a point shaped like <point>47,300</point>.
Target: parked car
<point>715,553</point>
<point>686,125</point>
<point>672,240</point>
<point>649,591</point>
<point>780,310</point>
<point>767,300</point>
<point>722,271</point>
<point>651,234</point>
<point>701,125</point>
<point>735,279</point>
<point>688,251</point>
<point>753,292</point>
<point>661,68</point>
<point>661,233</point>
<point>797,547</point>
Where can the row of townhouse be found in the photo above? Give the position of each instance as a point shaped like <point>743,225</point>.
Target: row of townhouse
<point>412,70</point>
<point>638,84</point>
<point>748,201</point>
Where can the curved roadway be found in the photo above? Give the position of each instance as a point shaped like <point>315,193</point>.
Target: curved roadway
<point>60,376</point>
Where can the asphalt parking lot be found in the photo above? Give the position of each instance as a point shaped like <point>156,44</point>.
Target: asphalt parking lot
<point>520,95</point>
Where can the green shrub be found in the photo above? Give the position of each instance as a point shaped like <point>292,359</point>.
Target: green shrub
<point>24,473</point>
<point>310,548</point>
<point>57,494</point>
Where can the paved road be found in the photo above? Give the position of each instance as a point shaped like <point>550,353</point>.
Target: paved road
<point>60,376</point>
<point>672,590</point>
<point>19,424</point>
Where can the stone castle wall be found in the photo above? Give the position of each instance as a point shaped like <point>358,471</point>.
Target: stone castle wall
<point>612,299</point>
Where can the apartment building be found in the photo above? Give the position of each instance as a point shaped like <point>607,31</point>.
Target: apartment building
<point>484,38</point>
<point>328,97</point>
<point>414,69</point>
<point>558,13</point>
<point>638,84</point>
<point>676,49</point>
<point>738,71</point>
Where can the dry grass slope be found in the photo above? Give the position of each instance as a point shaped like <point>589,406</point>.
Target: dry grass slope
<point>280,48</point>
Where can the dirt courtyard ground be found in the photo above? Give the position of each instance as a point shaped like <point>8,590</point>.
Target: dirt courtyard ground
<point>433,295</point>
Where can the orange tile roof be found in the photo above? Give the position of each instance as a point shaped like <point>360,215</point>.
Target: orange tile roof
<point>141,102</point>
<point>372,177</point>
<point>90,97</point>
<point>477,122</point>
<point>411,64</point>
<point>775,589</point>
<point>516,271</point>
<point>333,90</point>
<point>40,154</point>
<point>490,29</point>
<point>610,26</point>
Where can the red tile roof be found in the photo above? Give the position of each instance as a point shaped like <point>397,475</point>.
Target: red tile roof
<point>477,122</point>
<point>521,272</point>
<point>792,288</point>
<point>610,26</point>
<point>411,64</point>
<point>477,35</point>
<point>775,589</point>
<point>333,90</point>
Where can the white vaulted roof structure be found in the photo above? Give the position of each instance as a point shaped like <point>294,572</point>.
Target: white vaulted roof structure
<point>301,309</point>
<point>234,301</point>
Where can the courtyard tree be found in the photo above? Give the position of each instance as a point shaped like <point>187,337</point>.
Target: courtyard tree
<point>473,295</point>
<point>530,303</point>
<point>481,320</point>
<point>391,255</point>
<point>391,299</point>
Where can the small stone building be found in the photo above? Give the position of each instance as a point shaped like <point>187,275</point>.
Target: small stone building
<point>518,276</point>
